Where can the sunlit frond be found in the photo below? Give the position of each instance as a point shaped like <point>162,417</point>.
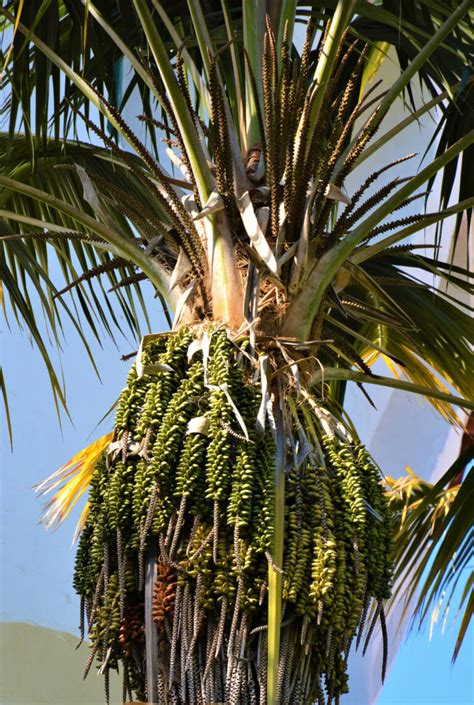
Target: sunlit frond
<point>69,483</point>
<point>434,544</point>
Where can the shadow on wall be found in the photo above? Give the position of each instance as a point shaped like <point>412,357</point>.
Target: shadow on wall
<point>39,665</point>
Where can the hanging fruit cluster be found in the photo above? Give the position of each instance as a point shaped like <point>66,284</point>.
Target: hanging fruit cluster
<point>182,508</point>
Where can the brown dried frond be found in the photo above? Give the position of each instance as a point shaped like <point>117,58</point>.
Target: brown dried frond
<point>181,78</point>
<point>188,240</point>
<point>335,79</point>
<point>374,200</point>
<point>164,594</point>
<point>322,39</point>
<point>124,197</point>
<point>315,169</point>
<point>168,109</point>
<point>400,249</point>
<point>363,102</point>
<point>330,356</point>
<point>342,222</point>
<point>221,143</point>
<point>157,172</point>
<point>342,47</point>
<point>340,134</point>
<point>321,162</point>
<point>368,131</point>
<point>363,106</point>
<point>411,199</point>
<point>267,94</point>
<point>299,181</point>
<point>184,154</point>
<point>272,51</point>
<point>283,90</point>
<point>318,154</point>
<point>272,126</point>
<point>341,118</point>
<point>347,349</point>
<point>301,83</point>
<point>288,185</point>
<point>288,138</point>
<point>351,85</point>
<point>174,144</point>
<point>373,177</point>
<point>148,224</point>
<point>127,157</point>
<point>361,310</point>
<point>136,143</point>
<point>120,195</point>
<point>146,230</point>
<point>370,203</point>
<point>365,135</point>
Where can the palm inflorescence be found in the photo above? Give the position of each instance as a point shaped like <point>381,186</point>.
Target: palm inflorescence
<point>182,504</point>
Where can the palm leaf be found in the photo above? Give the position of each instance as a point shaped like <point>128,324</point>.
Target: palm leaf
<point>69,483</point>
<point>434,542</point>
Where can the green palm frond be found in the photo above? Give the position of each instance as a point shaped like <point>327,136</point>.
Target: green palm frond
<point>40,243</point>
<point>429,341</point>
<point>73,174</point>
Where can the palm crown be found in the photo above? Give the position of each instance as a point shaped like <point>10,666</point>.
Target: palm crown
<point>254,234</point>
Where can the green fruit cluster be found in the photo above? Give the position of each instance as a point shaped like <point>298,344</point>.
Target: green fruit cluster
<point>188,483</point>
<point>337,554</point>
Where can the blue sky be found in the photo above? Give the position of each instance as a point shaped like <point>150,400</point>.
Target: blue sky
<point>423,674</point>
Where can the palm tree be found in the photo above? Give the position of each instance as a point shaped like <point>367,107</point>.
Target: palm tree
<point>237,537</point>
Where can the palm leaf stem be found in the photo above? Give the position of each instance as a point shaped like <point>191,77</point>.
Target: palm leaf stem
<point>336,373</point>
<point>338,25</point>
<point>177,100</point>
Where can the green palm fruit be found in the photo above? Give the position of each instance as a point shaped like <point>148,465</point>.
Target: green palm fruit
<point>262,515</point>
<point>190,465</point>
<point>220,450</point>
<point>170,438</point>
<point>209,499</point>
<point>164,382</point>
